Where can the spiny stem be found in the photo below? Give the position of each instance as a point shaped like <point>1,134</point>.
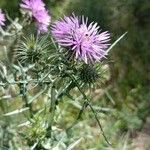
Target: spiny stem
<point>51,110</point>
<point>23,90</point>
<point>25,81</point>
<point>90,105</point>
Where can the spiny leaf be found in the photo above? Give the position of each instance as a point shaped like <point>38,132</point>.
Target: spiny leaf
<point>16,111</point>
<point>116,42</point>
<point>74,144</point>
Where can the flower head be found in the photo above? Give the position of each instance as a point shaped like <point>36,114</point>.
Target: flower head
<point>86,42</point>
<point>33,5</point>
<point>43,20</point>
<point>37,10</point>
<point>2,18</point>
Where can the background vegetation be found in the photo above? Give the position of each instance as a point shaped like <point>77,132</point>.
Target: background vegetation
<point>123,102</point>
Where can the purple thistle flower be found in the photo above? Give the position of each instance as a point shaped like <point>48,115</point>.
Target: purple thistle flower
<point>43,20</point>
<point>63,30</point>
<point>2,18</point>
<point>86,42</point>
<point>37,10</point>
<point>33,5</point>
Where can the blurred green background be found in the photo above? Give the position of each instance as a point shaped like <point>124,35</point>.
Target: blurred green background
<point>129,85</point>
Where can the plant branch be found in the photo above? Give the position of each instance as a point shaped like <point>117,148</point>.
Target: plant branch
<point>90,105</point>
<point>51,110</point>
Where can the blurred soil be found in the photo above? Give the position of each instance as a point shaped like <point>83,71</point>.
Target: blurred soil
<point>142,140</point>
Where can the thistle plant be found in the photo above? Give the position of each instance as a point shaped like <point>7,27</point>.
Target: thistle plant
<point>58,60</point>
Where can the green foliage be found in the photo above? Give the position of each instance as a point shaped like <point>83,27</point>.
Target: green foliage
<point>129,72</point>
<point>42,69</point>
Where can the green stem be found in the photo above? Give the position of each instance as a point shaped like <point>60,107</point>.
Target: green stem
<point>90,105</point>
<point>23,89</point>
<point>25,81</point>
<point>52,110</point>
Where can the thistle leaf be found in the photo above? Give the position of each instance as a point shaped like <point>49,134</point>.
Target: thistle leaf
<point>16,111</point>
<point>116,42</point>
